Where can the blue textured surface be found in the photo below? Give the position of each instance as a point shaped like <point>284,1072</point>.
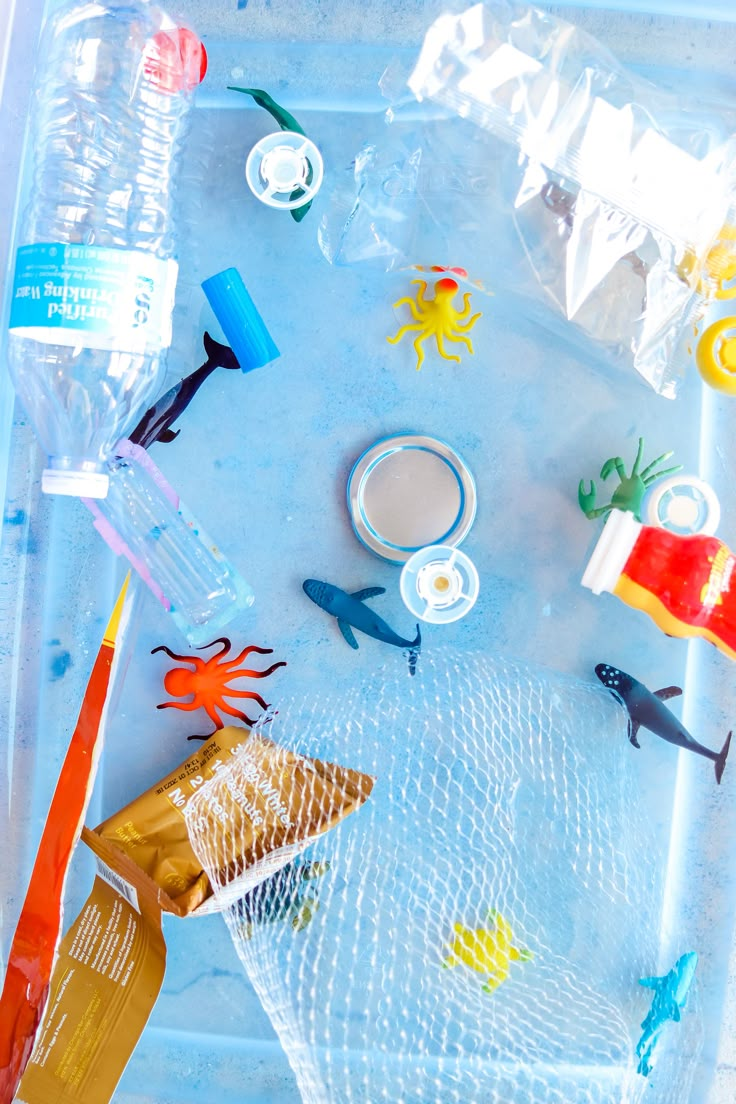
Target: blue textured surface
<point>262,460</point>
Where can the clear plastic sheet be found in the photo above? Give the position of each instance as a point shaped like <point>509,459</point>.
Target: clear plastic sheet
<point>597,197</point>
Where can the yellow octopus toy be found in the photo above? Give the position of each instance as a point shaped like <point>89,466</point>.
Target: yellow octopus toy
<point>438,317</point>
<point>489,951</point>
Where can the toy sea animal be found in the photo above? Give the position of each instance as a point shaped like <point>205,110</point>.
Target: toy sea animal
<point>646,710</point>
<point>631,489</point>
<point>350,611</point>
<point>489,951</point>
<point>670,994</point>
<point>155,425</point>
<point>289,894</point>
<point>438,317</point>
<point>208,682</point>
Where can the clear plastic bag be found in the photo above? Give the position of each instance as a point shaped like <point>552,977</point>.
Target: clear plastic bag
<point>566,180</point>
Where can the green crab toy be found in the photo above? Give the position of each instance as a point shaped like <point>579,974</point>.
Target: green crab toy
<point>631,488</point>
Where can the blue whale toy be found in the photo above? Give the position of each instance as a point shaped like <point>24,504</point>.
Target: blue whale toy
<point>646,710</point>
<point>352,613</point>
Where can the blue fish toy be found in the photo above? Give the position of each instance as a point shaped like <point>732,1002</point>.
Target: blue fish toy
<point>646,710</point>
<point>670,994</point>
<point>351,613</point>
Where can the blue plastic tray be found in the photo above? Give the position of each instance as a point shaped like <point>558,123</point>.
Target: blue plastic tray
<point>263,460</point>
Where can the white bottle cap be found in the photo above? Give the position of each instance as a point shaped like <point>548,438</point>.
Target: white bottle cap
<point>684,504</point>
<point>439,584</point>
<point>71,481</point>
<point>284,170</point>
<point>612,551</point>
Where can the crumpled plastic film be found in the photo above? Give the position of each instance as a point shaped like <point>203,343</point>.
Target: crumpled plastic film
<point>612,193</point>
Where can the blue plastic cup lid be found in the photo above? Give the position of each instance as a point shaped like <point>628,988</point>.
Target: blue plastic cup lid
<point>244,329</point>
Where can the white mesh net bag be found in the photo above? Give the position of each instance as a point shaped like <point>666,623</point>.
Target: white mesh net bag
<point>476,931</point>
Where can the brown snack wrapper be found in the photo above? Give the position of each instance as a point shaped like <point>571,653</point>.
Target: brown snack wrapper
<point>152,830</point>
<point>105,982</point>
<point>263,808</point>
<point>253,806</point>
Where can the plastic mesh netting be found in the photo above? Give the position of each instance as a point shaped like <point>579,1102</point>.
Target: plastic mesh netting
<point>475,932</point>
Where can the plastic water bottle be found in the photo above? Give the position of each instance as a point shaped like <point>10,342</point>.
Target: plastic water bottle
<point>95,270</point>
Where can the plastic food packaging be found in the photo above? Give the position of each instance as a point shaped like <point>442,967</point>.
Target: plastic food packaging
<point>96,268</point>
<point>684,583</point>
<point>36,940</point>
<point>111,962</point>
<point>600,199</point>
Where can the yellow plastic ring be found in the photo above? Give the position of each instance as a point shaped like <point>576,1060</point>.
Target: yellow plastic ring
<point>716,356</point>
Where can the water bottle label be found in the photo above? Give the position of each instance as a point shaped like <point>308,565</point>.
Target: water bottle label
<point>93,296</point>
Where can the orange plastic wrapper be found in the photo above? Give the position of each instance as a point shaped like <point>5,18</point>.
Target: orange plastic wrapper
<point>36,939</point>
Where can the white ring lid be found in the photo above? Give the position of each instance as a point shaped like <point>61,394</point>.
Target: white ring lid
<point>284,170</point>
<point>439,584</point>
<point>684,504</point>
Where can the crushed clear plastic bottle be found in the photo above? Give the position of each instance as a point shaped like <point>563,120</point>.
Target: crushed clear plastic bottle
<point>95,266</point>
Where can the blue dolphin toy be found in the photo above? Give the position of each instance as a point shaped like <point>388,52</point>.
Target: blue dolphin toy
<point>349,609</point>
<point>670,994</point>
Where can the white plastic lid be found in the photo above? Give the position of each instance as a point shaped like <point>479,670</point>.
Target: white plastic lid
<point>284,169</point>
<point>612,551</point>
<point>70,481</point>
<point>684,504</point>
<point>439,584</point>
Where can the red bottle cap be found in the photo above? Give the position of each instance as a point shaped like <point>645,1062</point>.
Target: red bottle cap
<point>175,60</point>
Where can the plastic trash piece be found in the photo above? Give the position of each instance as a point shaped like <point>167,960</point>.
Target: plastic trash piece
<point>245,330</point>
<point>143,519</point>
<point>36,941</point>
<point>408,491</point>
<point>284,170</point>
<point>439,584</point>
<point>96,269</point>
<point>682,583</point>
<point>715,355</point>
<point>686,505</point>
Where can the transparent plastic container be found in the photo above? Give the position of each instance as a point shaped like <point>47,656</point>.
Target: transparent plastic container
<point>262,460</point>
<point>143,519</point>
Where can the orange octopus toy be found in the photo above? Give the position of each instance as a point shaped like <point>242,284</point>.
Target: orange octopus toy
<point>208,682</point>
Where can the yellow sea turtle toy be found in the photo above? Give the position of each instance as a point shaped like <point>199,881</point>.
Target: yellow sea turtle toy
<point>489,951</point>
